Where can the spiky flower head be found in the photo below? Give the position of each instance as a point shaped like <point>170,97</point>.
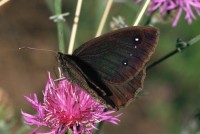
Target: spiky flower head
<point>67,107</point>
<point>189,7</point>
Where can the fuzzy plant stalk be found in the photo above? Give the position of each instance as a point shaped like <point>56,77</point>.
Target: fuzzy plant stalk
<point>75,25</point>
<point>2,2</point>
<point>104,17</point>
<point>60,25</point>
<point>141,13</point>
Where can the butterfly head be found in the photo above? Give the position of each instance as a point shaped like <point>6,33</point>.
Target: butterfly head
<point>63,60</point>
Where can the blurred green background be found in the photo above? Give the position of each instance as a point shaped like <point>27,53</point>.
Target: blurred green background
<point>172,88</point>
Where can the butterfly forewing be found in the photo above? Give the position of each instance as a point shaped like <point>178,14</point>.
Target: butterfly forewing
<point>120,55</point>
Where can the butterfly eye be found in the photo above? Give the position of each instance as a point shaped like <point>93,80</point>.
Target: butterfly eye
<point>125,62</point>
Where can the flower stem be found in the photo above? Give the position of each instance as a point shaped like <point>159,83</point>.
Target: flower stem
<point>180,45</point>
<point>69,132</point>
<point>142,11</point>
<point>99,127</point>
<point>60,27</point>
<point>75,25</point>
<point>103,20</point>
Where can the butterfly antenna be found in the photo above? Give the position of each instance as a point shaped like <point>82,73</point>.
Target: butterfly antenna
<point>31,48</point>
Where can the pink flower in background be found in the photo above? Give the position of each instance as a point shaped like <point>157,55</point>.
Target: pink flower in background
<point>67,107</point>
<point>190,7</point>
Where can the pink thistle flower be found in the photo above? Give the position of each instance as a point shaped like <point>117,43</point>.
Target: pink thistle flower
<point>66,107</point>
<point>187,6</point>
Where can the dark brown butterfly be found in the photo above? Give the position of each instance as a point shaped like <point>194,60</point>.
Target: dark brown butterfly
<point>111,68</point>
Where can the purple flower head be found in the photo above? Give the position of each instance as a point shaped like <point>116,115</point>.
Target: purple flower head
<point>180,6</point>
<point>66,107</point>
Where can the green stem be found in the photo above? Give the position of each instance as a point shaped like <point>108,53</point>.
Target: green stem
<point>194,40</point>
<point>99,127</point>
<point>60,26</point>
<point>181,45</point>
<point>69,132</point>
<point>148,22</point>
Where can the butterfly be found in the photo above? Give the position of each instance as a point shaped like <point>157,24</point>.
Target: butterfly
<point>112,67</point>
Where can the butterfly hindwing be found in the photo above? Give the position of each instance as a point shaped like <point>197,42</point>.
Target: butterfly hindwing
<point>125,92</point>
